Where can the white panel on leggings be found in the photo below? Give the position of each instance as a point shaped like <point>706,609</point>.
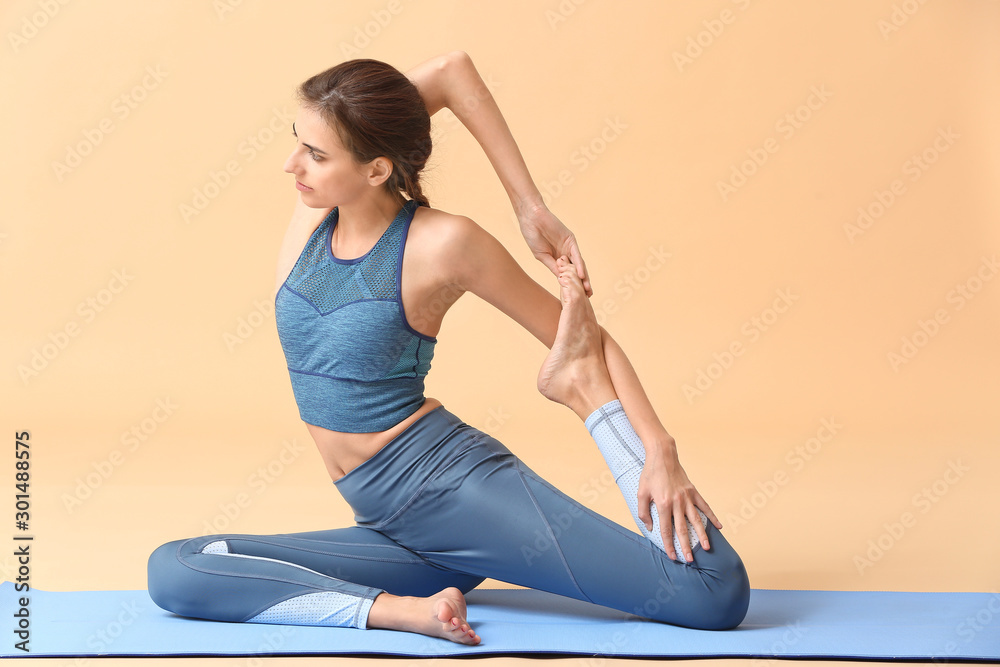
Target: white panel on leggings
<point>328,608</point>
<point>617,440</point>
<point>219,547</point>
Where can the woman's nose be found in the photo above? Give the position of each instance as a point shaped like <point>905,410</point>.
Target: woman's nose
<point>291,164</point>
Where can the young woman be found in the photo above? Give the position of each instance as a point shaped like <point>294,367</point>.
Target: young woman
<point>440,505</point>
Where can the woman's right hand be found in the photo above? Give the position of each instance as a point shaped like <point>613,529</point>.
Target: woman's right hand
<point>548,238</point>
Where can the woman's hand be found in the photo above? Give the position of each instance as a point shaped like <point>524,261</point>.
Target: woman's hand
<point>548,239</point>
<point>664,483</point>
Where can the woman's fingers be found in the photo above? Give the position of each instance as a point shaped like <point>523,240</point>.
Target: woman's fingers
<point>704,507</point>
<point>680,525</point>
<point>699,528</point>
<point>549,261</point>
<point>581,267</point>
<point>644,514</point>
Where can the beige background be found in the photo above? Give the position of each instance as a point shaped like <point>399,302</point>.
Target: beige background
<point>117,303</point>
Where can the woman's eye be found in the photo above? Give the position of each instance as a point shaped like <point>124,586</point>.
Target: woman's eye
<point>314,156</point>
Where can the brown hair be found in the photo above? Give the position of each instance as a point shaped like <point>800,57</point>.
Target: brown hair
<point>377,112</point>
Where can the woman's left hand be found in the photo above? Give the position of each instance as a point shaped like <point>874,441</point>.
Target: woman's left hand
<point>664,483</point>
<point>548,238</point>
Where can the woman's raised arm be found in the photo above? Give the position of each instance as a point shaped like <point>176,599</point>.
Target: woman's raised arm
<point>452,81</point>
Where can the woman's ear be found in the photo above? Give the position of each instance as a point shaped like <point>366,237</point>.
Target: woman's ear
<point>379,170</point>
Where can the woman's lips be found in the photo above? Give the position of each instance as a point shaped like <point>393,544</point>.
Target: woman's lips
<point>304,188</point>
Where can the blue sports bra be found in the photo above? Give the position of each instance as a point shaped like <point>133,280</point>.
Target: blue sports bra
<point>355,363</point>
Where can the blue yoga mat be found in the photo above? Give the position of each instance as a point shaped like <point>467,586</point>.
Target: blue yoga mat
<point>780,624</point>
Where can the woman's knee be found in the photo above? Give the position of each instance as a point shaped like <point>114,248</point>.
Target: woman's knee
<point>160,572</point>
<point>733,602</point>
<point>729,599</point>
<point>730,594</point>
<point>713,596</point>
<point>172,584</point>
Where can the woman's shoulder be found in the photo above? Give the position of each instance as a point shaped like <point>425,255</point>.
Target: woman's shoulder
<point>442,221</point>
<point>437,231</point>
<point>453,247</point>
<point>445,244</point>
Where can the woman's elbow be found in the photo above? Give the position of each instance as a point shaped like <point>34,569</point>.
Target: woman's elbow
<point>457,59</point>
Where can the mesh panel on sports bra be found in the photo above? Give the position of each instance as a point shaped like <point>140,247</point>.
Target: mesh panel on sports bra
<point>330,285</point>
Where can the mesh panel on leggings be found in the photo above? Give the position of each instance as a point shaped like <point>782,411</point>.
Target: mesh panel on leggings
<point>218,547</point>
<point>619,443</point>
<point>329,608</point>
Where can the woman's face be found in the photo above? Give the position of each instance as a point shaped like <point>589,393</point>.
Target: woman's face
<point>325,171</point>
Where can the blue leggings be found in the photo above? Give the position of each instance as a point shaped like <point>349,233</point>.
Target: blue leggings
<point>444,504</point>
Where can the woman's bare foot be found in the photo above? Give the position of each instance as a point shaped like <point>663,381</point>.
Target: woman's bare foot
<point>574,372</point>
<point>441,615</point>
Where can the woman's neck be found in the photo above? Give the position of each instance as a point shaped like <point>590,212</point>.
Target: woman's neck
<point>361,223</point>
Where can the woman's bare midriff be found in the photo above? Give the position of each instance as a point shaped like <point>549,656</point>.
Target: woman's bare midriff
<point>343,452</point>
